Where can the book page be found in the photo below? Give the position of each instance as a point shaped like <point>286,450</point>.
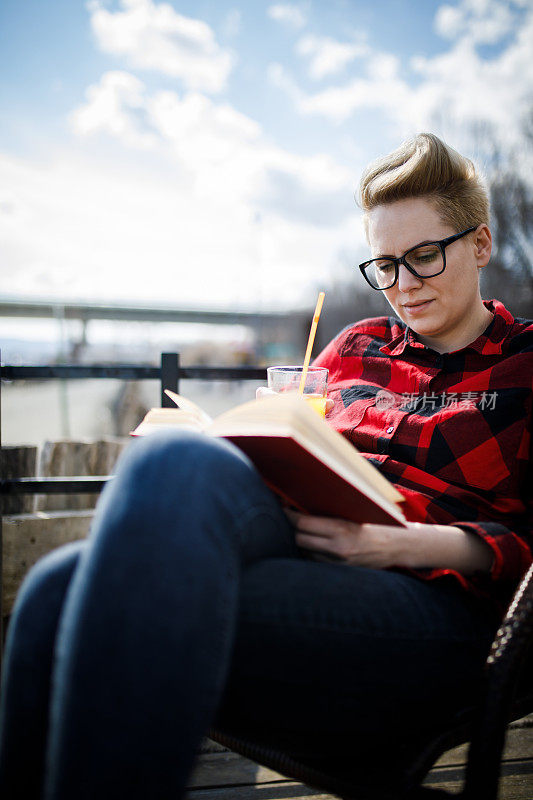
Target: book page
<point>286,416</point>
<point>161,418</point>
<point>187,405</point>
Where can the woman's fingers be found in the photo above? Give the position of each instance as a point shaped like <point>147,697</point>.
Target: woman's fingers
<point>308,540</point>
<point>320,526</point>
<point>263,391</point>
<point>317,547</point>
<point>367,545</point>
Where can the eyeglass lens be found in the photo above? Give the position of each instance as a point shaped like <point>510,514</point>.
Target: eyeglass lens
<point>426,260</point>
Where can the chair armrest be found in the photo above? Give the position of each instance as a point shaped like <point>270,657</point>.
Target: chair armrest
<point>509,693</point>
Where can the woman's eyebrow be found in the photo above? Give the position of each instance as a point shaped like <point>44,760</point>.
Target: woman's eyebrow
<point>426,241</point>
<point>418,244</point>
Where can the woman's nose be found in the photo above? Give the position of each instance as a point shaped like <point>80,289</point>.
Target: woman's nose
<point>406,280</point>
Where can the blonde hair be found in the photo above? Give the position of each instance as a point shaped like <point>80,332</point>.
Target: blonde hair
<point>427,167</point>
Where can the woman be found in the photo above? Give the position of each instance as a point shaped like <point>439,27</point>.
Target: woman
<point>191,603</point>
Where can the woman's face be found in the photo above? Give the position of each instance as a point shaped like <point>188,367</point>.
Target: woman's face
<point>439,309</point>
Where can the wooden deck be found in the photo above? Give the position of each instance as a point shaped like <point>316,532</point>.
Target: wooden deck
<point>223,775</point>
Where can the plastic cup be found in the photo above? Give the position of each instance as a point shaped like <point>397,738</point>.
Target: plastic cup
<point>287,379</point>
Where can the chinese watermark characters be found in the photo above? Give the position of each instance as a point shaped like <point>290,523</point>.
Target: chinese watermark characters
<point>433,401</point>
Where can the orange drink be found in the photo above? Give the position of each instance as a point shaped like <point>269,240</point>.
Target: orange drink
<point>317,403</point>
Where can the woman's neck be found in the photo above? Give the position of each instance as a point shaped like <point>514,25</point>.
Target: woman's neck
<point>473,327</point>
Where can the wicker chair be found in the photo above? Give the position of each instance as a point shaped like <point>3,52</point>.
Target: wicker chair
<point>507,695</point>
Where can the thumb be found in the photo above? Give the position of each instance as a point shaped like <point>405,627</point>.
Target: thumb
<point>263,391</point>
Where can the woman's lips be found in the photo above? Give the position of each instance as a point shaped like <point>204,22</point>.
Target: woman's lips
<point>419,308</point>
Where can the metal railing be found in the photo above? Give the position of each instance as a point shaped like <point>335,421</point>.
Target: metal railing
<point>169,374</point>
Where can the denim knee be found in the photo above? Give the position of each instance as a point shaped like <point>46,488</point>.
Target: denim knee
<point>44,585</point>
<point>187,484</point>
<point>182,453</point>
<point>177,468</point>
<point>29,651</point>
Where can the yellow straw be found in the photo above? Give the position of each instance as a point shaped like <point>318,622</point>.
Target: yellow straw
<point>311,341</point>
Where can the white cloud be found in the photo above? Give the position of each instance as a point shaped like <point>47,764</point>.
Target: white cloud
<point>110,232</point>
<point>227,217</point>
<point>155,37</point>
<point>287,13</point>
<point>458,84</point>
<point>471,88</point>
<point>328,56</point>
<point>480,21</point>
<point>278,76</point>
<point>382,89</point>
<point>211,139</point>
<point>449,21</point>
<point>232,24</point>
<point>112,106</point>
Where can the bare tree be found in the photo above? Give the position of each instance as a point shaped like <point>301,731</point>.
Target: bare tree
<point>509,276</point>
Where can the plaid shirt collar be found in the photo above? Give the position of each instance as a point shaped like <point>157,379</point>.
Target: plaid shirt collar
<point>489,343</point>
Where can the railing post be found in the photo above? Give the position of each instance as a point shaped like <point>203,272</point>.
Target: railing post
<point>170,376</point>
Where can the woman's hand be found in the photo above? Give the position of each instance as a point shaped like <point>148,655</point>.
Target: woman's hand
<point>331,539</point>
<point>416,546</point>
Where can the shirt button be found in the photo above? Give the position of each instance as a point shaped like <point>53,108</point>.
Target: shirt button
<point>390,429</point>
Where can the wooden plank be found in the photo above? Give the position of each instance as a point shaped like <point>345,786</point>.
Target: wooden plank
<point>27,537</point>
<point>17,462</point>
<point>512,787</point>
<point>455,774</point>
<point>519,744</point>
<point>76,457</point>
<point>227,768</point>
<point>268,791</point>
<point>219,769</point>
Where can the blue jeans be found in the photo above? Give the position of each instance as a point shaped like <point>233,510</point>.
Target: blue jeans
<point>190,605</point>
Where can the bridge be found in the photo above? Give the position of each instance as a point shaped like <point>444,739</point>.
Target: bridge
<point>288,326</point>
<point>66,309</point>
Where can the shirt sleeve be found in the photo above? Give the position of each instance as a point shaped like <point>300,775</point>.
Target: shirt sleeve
<point>512,547</point>
<point>512,544</point>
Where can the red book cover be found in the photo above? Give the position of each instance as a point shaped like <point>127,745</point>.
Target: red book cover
<point>304,481</point>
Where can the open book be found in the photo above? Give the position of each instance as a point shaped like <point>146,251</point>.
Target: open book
<point>309,465</point>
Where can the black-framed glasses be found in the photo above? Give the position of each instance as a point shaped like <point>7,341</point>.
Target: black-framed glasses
<point>424,260</point>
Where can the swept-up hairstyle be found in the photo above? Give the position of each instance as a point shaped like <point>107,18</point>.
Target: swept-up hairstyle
<point>427,167</point>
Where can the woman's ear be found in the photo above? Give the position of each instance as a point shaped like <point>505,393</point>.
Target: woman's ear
<point>483,245</point>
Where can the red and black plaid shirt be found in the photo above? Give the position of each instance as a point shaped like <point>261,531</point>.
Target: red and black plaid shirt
<point>452,431</point>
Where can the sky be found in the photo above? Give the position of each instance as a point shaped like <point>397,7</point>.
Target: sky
<point>208,153</point>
